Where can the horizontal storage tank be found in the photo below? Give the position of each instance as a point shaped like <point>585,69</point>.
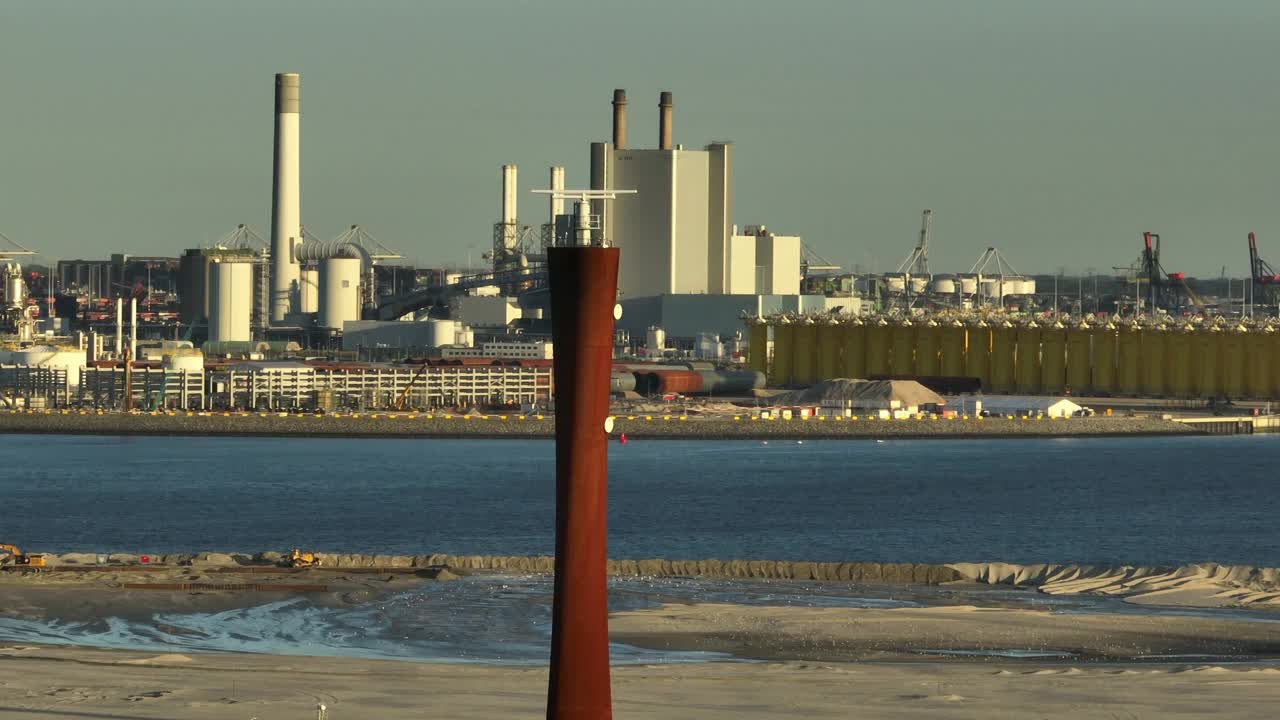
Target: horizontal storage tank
<point>50,356</point>
<point>731,382</point>
<point>339,292</point>
<point>190,361</point>
<point>309,290</point>
<point>230,301</point>
<point>621,382</point>
<point>663,382</point>
<point>943,284</point>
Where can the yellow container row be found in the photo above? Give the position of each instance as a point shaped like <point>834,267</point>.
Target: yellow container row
<point>1186,361</point>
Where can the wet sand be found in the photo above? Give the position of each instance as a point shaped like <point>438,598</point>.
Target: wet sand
<point>80,683</point>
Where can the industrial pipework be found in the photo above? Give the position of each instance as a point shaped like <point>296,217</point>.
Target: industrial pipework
<point>286,203</point>
<point>664,121</point>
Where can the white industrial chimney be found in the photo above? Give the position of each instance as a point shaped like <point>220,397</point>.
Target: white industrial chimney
<point>557,183</point>
<point>509,231</point>
<point>286,210</point>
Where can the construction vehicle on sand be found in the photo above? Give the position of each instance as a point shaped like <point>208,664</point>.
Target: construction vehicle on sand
<point>35,560</point>
<point>299,559</point>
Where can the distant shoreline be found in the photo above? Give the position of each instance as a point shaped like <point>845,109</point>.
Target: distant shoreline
<point>494,426</point>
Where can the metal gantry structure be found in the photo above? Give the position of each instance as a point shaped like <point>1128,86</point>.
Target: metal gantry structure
<point>1266,281</point>
<point>917,263</point>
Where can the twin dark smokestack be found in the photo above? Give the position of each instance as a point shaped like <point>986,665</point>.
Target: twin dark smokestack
<point>620,120</point>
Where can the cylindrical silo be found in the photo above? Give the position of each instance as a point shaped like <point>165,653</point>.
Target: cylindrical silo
<point>928,346</point>
<point>230,301</point>
<point>919,285</point>
<point>1258,382</point>
<point>878,342</point>
<point>943,285</point>
<point>1053,359</point>
<point>441,332</point>
<point>977,353</point>
<point>758,345</point>
<point>895,282</point>
<point>1129,360</point>
<point>1027,364</point>
<point>902,356</point>
<point>1079,360</point>
<point>309,290</point>
<point>1207,366</point>
<point>1233,362</point>
<point>804,360</point>
<point>952,349</point>
<point>339,292</point>
<point>828,351</point>
<point>1003,340</point>
<point>1104,360</point>
<point>968,284</point>
<point>853,336</point>
<point>1153,347</point>
<point>784,341</point>
<point>1178,351</point>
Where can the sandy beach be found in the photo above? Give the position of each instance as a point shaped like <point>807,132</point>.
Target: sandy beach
<point>976,653</point>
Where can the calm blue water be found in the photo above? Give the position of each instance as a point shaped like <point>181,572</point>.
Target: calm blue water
<point>1121,500</point>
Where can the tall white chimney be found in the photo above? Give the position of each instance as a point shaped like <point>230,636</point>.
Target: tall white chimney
<point>286,210</point>
<point>557,183</point>
<point>119,327</point>
<point>509,234</point>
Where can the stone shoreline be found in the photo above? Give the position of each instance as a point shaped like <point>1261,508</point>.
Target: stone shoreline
<point>429,425</point>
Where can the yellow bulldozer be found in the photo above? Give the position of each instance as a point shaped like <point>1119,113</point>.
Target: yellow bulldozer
<point>299,559</point>
<point>21,559</point>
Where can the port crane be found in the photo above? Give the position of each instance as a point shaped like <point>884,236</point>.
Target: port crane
<point>1266,281</point>
<point>1167,289</point>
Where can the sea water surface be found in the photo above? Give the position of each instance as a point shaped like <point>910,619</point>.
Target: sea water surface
<point>1114,500</point>
<point>1118,500</point>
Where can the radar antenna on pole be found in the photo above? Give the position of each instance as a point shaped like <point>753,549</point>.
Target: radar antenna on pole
<point>586,225</point>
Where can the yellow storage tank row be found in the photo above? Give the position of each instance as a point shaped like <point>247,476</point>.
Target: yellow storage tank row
<point>977,354</point>
<point>1178,367</point>
<point>1129,360</point>
<point>902,355</point>
<point>1003,345</point>
<point>1233,362</point>
<point>1208,378</point>
<point>854,344</point>
<point>1027,363</point>
<point>1151,353</point>
<point>1104,360</point>
<point>1079,361</point>
<point>758,346</point>
<point>804,359</point>
<point>952,350</point>
<point>1273,353</point>
<point>784,344</point>
<point>1053,359</point>
<point>878,339</point>
<point>928,349</point>
<point>1258,374</point>
<point>828,351</point>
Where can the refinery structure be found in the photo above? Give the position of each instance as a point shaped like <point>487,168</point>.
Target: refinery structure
<point>709,305</point>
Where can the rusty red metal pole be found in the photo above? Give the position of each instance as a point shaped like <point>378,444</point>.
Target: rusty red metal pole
<point>584,285</point>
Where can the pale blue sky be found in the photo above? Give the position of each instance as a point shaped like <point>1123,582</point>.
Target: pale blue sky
<point>1057,131</point>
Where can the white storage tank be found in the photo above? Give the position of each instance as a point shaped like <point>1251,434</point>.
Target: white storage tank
<point>1028,286</point>
<point>968,284</point>
<point>339,292</point>
<point>919,285</point>
<point>466,336</point>
<point>709,346</point>
<point>69,359</point>
<point>230,301</point>
<point>896,282</point>
<point>944,284</point>
<point>441,332</point>
<point>309,290</point>
<point>190,361</point>
<point>990,288</point>
<point>655,339</point>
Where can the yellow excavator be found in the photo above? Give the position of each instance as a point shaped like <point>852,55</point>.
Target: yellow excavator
<point>35,560</point>
<point>299,559</point>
